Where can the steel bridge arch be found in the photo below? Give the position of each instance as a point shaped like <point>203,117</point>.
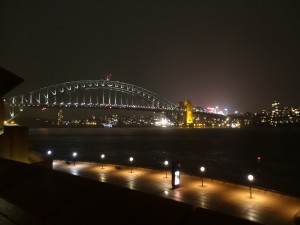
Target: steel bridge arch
<point>42,97</point>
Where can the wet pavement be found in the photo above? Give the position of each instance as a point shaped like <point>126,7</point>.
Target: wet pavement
<point>259,205</point>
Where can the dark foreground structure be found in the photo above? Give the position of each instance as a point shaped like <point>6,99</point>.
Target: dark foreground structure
<point>31,194</point>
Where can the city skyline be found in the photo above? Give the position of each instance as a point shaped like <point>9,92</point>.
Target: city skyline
<point>235,55</point>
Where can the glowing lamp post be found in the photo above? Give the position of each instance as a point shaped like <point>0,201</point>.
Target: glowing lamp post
<point>131,159</point>
<point>166,164</point>
<point>202,169</point>
<point>49,155</point>
<point>250,178</point>
<point>49,152</point>
<point>102,157</point>
<point>74,156</point>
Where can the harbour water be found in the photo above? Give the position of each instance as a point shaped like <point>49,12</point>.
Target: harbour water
<point>271,155</point>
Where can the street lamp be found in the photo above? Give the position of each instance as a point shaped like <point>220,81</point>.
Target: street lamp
<point>202,169</point>
<point>102,157</point>
<point>250,178</point>
<point>166,164</point>
<point>74,156</point>
<point>131,159</point>
<point>49,152</point>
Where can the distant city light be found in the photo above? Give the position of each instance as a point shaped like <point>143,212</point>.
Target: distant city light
<point>216,110</point>
<point>162,121</point>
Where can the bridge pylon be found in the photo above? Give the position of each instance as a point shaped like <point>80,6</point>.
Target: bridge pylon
<point>185,116</point>
<point>188,113</point>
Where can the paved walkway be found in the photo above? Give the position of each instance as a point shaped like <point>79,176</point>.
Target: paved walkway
<point>264,207</point>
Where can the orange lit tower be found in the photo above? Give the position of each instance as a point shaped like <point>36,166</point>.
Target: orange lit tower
<point>189,112</point>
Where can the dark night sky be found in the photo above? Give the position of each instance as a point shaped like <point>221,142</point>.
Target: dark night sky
<point>241,55</point>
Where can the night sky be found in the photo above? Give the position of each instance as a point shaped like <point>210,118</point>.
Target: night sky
<point>240,55</point>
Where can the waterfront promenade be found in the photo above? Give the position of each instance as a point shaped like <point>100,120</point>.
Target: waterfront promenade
<point>265,207</point>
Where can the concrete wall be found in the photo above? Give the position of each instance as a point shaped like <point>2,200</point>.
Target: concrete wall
<point>2,115</point>
<point>40,160</point>
<point>14,143</point>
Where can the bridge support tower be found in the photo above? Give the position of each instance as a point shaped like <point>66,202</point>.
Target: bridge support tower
<point>188,113</point>
<point>185,116</point>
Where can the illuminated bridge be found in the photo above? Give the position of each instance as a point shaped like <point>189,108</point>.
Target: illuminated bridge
<point>90,94</point>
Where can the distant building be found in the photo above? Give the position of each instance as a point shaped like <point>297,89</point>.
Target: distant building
<point>60,117</point>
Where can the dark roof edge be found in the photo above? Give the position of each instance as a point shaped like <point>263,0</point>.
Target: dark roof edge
<point>8,81</point>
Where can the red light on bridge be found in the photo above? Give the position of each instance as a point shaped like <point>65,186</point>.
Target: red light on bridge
<point>108,77</point>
